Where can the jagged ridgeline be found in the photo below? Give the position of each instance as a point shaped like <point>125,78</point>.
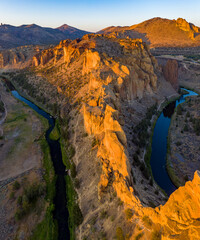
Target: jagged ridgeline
<point>108,81</point>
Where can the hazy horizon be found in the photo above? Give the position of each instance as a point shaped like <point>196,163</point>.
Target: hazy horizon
<point>94,16</point>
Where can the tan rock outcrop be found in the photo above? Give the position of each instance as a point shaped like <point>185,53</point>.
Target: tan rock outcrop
<point>124,80</point>
<point>19,57</point>
<point>117,70</point>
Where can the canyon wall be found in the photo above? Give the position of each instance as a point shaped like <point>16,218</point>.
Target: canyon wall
<point>19,57</point>
<point>103,72</point>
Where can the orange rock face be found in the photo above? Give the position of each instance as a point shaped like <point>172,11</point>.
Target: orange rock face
<point>128,78</point>
<point>121,70</point>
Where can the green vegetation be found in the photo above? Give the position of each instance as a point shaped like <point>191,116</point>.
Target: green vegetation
<point>16,185</point>
<point>68,151</point>
<point>27,201</point>
<point>145,139</point>
<point>21,81</point>
<point>73,170</point>
<point>75,215</point>
<point>142,128</point>
<point>12,196</point>
<point>49,176</point>
<point>55,133</point>
<point>119,234</point>
<point>47,229</point>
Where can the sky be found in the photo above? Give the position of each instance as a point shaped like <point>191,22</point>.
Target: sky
<point>94,15</point>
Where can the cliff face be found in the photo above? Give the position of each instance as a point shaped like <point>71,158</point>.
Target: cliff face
<point>98,57</point>
<point>170,71</point>
<point>188,27</point>
<point>115,71</point>
<point>18,57</point>
<point>103,72</point>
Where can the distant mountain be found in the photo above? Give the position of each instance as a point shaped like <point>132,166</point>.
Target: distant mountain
<point>11,36</point>
<point>159,32</point>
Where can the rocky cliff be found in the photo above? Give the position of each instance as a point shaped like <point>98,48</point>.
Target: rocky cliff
<point>170,71</point>
<point>18,57</point>
<point>97,57</point>
<point>108,75</point>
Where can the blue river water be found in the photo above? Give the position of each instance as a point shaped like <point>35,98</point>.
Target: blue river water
<point>60,213</point>
<point>159,144</point>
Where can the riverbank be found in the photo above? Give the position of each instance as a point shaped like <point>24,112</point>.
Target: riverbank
<point>148,151</point>
<point>184,142</point>
<point>22,170</point>
<point>161,148</point>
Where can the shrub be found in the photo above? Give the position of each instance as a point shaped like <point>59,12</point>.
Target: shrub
<point>178,143</point>
<point>156,192</point>
<point>16,185</point>
<point>185,128</point>
<point>151,182</point>
<point>73,170</point>
<point>103,214</point>
<point>119,234</point>
<point>187,114</point>
<point>136,159</point>
<point>12,195</point>
<point>95,142</point>
<point>147,221</point>
<point>128,213</point>
<point>19,200</point>
<point>77,215</point>
<point>76,183</point>
<point>19,215</point>
<point>139,235</point>
<point>186,178</point>
<point>179,110</point>
<point>156,235</point>
<point>33,191</point>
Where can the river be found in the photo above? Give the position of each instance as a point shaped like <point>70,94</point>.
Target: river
<point>159,144</point>
<point>60,213</point>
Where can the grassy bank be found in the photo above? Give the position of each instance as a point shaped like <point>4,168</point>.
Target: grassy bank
<point>75,215</point>
<point>47,229</point>
<point>55,133</point>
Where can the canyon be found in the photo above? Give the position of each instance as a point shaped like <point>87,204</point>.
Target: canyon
<point>109,87</point>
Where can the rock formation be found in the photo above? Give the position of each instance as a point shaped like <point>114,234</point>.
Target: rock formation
<point>105,71</point>
<point>18,57</point>
<point>170,71</point>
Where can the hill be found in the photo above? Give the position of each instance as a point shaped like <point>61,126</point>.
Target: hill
<point>159,32</point>
<point>11,36</point>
